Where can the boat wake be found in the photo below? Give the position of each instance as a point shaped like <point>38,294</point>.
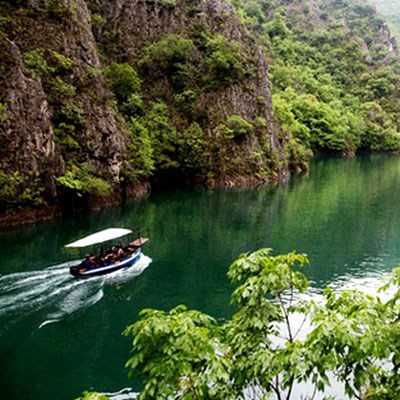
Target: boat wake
<point>55,293</point>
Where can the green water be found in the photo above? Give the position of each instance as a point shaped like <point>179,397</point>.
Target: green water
<point>60,336</point>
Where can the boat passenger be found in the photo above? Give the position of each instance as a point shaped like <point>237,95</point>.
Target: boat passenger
<point>119,254</point>
<point>88,261</point>
<point>99,260</point>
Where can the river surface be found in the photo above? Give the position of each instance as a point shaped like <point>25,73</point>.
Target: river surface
<point>60,335</point>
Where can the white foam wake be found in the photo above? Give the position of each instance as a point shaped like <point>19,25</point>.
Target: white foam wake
<point>57,293</point>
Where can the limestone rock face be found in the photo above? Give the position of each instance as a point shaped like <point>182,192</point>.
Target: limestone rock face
<point>26,133</point>
<point>34,101</point>
<point>58,112</point>
<point>136,23</point>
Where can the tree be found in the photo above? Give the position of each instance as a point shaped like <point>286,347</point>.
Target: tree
<point>186,354</point>
<point>123,80</point>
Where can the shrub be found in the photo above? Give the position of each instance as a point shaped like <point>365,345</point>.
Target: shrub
<point>192,148</point>
<point>61,90</point>
<point>97,20</point>
<point>225,61</point>
<point>186,100</point>
<point>238,127</point>
<point>61,63</point>
<point>141,150</point>
<point>64,134</point>
<point>123,80</point>
<point>36,63</point>
<point>18,189</point>
<point>80,180</point>
<point>168,3</point>
<point>3,112</point>
<point>133,105</point>
<point>171,57</point>
<point>164,136</point>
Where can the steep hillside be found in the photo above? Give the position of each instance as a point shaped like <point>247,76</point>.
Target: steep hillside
<point>335,72</point>
<point>99,98</point>
<point>390,9</point>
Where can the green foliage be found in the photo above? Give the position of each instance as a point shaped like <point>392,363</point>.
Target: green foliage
<point>133,105</point>
<point>189,360</point>
<point>225,61</point>
<point>36,63</point>
<point>92,396</point>
<point>64,134</point>
<point>61,63</point>
<point>97,20</point>
<point>3,111</point>
<point>93,72</point>
<point>19,189</point>
<point>192,149</point>
<point>178,59</point>
<point>297,154</point>
<point>277,27</point>
<point>141,150</point>
<point>80,180</point>
<point>61,90</point>
<point>4,21</point>
<point>123,79</point>
<point>316,67</point>
<point>165,138</point>
<point>171,57</point>
<point>42,63</point>
<point>49,66</point>
<point>186,100</point>
<point>353,336</point>
<point>238,127</point>
<point>157,145</point>
<point>286,117</point>
<point>168,3</point>
<point>60,9</point>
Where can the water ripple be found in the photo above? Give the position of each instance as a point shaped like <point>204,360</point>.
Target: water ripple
<point>56,292</point>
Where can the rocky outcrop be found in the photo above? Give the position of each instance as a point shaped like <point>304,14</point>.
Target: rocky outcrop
<point>136,23</point>
<point>59,113</point>
<point>26,133</point>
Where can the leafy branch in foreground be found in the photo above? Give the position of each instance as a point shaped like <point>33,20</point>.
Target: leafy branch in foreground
<point>352,340</point>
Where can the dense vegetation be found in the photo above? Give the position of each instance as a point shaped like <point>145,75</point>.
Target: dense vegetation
<point>391,11</point>
<point>187,103</point>
<point>335,85</point>
<point>262,351</point>
<point>162,94</point>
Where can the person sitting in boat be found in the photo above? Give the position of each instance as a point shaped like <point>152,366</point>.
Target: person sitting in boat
<point>119,253</point>
<point>88,261</point>
<point>99,260</point>
<point>109,256</point>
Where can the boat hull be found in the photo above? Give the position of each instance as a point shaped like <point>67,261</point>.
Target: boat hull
<point>126,262</point>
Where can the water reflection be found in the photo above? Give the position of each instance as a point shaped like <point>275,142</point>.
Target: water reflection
<point>344,214</point>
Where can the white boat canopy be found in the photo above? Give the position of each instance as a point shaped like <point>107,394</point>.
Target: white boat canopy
<point>99,237</point>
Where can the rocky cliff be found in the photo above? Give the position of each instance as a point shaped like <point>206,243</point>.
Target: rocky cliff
<point>200,112</point>
<point>101,100</point>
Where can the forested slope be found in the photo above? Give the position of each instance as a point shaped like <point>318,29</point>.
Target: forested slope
<point>390,9</point>
<point>99,100</point>
<point>335,72</point>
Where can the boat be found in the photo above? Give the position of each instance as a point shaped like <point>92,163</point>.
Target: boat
<point>116,257</point>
